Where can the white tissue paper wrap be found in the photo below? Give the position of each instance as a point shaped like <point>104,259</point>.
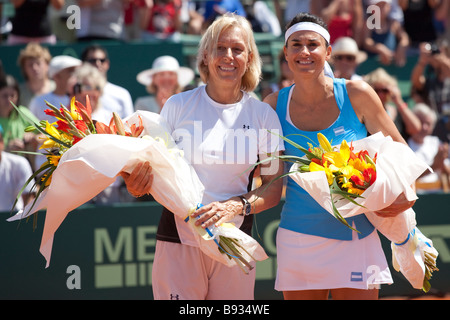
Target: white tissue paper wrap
<point>92,164</point>
<point>397,169</point>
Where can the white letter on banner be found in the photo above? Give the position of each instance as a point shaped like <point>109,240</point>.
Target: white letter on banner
<point>74,280</point>
<point>74,20</point>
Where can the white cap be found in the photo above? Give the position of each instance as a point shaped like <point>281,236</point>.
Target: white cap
<point>377,1</point>
<point>166,63</point>
<point>60,63</point>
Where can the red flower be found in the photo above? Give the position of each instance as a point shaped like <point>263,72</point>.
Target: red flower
<point>370,175</point>
<point>103,128</point>
<point>81,125</point>
<point>63,126</point>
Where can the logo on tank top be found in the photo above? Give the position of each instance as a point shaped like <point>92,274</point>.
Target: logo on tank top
<point>339,130</point>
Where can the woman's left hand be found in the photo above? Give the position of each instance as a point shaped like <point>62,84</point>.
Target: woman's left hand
<point>400,205</point>
<point>217,212</point>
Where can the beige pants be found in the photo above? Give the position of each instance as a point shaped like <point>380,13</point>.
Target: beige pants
<point>182,272</point>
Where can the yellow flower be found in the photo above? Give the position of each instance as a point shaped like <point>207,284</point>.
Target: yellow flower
<point>74,111</point>
<point>338,159</point>
<point>353,190</point>
<point>344,151</point>
<point>54,159</point>
<point>349,171</point>
<point>317,167</point>
<point>51,130</point>
<point>324,143</point>
<point>360,165</point>
<point>49,180</point>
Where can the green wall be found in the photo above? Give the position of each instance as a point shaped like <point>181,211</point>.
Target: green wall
<point>111,251</point>
<point>127,59</point>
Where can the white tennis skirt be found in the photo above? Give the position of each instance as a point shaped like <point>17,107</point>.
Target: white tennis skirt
<point>307,262</point>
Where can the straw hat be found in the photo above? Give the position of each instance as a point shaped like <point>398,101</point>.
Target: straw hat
<point>166,63</point>
<point>348,46</point>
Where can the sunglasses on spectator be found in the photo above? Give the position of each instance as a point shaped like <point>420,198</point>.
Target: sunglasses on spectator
<point>347,57</point>
<point>94,60</point>
<point>78,88</point>
<point>381,90</point>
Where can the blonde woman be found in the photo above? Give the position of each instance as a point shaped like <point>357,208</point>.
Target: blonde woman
<point>34,62</point>
<point>205,123</point>
<point>390,95</point>
<point>91,82</point>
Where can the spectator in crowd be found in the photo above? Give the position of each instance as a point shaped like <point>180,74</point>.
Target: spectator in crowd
<point>430,76</point>
<point>262,18</point>
<point>101,20</point>
<point>31,22</point>
<point>214,8</point>
<point>419,20</point>
<point>286,78</point>
<point>60,71</point>
<point>91,82</point>
<point>430,149</point>
<point>344,18</point>
<point>190,17</point>
<point>442,128</point>
<point>390,95</point>
<point>134,13</point>
<point>292,7</point>
<point>163,80</point>
<point>114,97</point>
<point>14,136</point>
<point>162,21</point>
<point>442,14</point>
<point>390,41</point>
<point>346,57</point>
<point>396,13</point>
<point>14,172</point>
<point>33,61</point>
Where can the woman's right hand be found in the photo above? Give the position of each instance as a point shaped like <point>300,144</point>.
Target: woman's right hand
<point>140,180</point>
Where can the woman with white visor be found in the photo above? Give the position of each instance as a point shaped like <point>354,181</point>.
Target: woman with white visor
<point>317,255</point>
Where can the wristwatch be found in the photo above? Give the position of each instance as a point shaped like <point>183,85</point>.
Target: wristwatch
<point>246,208</point>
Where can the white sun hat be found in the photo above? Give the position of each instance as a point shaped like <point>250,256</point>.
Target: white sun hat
<point>166,63</point>
<point>346,45</point>
<point>60,63</point>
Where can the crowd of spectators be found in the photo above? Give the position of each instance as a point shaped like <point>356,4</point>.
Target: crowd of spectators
<point>387,31</point>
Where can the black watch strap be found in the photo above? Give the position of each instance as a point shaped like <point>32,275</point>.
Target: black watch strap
<point>247,208</point>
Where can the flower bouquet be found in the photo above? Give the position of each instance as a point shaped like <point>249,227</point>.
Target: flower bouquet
<point>361,178</point>
<point>83,158</point>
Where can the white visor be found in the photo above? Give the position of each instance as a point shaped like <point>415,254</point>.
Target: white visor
<point>307,26</point>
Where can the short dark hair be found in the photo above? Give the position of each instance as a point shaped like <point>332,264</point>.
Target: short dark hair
<point>308,17</point>
<point>93,47</point>
<point>7,80</point>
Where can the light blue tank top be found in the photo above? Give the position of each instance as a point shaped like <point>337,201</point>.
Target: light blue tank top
<point>301,213</point>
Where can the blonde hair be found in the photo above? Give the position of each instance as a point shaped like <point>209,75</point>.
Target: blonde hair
<point>422,109</point>
<point>91,75</point>
<point>380,75</point>
<point>33,50</point>
<point>208,45</point>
